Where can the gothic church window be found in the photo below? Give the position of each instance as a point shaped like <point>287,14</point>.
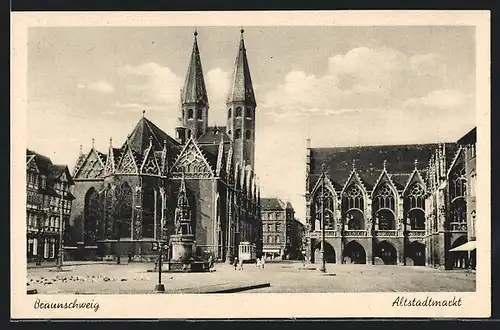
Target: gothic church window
<point>122,211</point>
<point>384,207</point>
<point>248,134</point>
<point>414,206</point>
<point>190,114</point>
<point>238,112</point>
<point>92,216</point>
<point>238,133</point>
<point>328,206</point>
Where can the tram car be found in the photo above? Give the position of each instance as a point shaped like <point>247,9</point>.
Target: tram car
<point>247,251</point>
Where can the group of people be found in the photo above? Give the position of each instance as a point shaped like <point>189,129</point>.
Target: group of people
<point>260,262</point>
<point>238,264</point>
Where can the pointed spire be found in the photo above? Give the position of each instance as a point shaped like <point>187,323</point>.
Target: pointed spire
<point>110,142</point>
<point>241,89</point>
<point>384,163</point>
<point>93,140</point>
<point>143,113</point>
<point>150,141</point>
<point>81,149</point>
<point>415,163</point>
<point>354,165</point>
<point>194,90</point>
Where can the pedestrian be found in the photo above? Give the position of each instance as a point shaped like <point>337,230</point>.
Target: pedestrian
<point>257,263</point>
<point>263,263</point>
<point>130,256</point>
<point>235,261</point>
<point>210,263</point>
<point>241,264</point>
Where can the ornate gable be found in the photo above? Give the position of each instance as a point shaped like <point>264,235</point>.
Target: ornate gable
<point>31,165</point>
<point>92,167</point>
<point>455,160</point>
<point>328,185</point>
<point>354,179</point>
<point>192,162</point>
<point>150,164</point>
<point>414,177</point>
<point>127,164</point>
<point>384,178</point>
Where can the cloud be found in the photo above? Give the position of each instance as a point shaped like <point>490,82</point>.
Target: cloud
<point>100,86</point>
<point>152,83</point>
<point>363,78</point>
<point>441,99</point>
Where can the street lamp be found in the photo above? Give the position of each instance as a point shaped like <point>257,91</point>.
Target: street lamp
<point>159,287</point>
<point>323,264</point>
<point>40,232</point>
<point>60,254</point>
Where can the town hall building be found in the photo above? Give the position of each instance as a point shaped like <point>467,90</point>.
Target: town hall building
<point>393,204</point>
<point>127,197</point>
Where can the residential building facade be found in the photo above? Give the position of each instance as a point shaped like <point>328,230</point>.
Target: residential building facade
<point>48,206</point>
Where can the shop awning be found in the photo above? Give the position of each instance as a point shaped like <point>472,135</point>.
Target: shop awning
<point>469,246</point>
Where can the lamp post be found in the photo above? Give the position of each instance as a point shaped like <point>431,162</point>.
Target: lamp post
<point>323,264</point>
<point>40,231</point>
<point>60,254</point>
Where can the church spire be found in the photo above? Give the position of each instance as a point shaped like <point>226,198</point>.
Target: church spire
<point>241,88</point>
<point>194,90</point>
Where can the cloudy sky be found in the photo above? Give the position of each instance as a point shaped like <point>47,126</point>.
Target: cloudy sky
<point>342,86</point>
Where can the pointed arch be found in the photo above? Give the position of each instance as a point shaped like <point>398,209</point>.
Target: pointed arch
<point>192,162</point>
<point>122,211</point>
<point>329,201</point>
<point>127,163</point>
<point>92,166</point>
<point>93,210</point>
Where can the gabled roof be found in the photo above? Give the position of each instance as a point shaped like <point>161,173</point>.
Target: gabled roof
<point>194,90</point>
<point>369,162</point>
<point>268,204</point>
<point>51,171</point>
<point>213,135</point>
<point>139,138</point>
<point>241,88</point>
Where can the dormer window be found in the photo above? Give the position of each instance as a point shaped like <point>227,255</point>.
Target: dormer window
<point>238,112</point>
<point>190,114</point>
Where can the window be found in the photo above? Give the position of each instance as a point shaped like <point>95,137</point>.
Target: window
<point>238,112</point>
<point>270,216</point>
<point>190,114</point>
<point>277,239</point>
<point>238,134</point>
<point>248,134</point>
<point>248,113</point>
<point>183,113</point>
<point>277,226</point>
<point>199,114</point>
<point>269,239</point>
<point>473,183</point>
<point>277,215</point>
<point>229,113</point>
<point>269,227</point>
<point>229,132</point>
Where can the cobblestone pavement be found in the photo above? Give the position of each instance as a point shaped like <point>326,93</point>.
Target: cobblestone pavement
<point>286,277</point>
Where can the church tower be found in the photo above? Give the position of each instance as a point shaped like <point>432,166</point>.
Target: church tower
<point>194,100</point>
<point>240,105</point>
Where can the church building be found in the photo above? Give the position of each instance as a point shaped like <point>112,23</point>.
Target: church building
<point>127,197</point>
<point>393,204</point>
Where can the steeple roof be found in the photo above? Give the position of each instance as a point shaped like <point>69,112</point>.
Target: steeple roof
<point>139,139</point>
<point>241,88</point>
<point>194,90</point>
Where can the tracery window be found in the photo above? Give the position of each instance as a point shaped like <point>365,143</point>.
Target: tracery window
<point>458,183</point>
<point>92,216</point>
<point>414,206</point>
<point>353,198</point>
<point>328,205</point>
<point>384,207</point>
<point>122,214</point>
